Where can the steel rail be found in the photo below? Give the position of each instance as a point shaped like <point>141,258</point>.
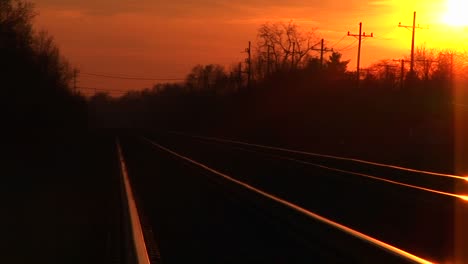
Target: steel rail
<point>324,156</point>
<point>382,179</point>
<point>137,232</point>
<point>387,247</point>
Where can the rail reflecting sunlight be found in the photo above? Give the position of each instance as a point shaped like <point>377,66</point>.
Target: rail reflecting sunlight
<point>460,94</point>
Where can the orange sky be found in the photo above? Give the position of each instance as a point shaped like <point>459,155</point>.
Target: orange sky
<point>165,39</point>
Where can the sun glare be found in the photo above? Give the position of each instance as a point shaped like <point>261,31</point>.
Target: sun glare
<point>456,13</point>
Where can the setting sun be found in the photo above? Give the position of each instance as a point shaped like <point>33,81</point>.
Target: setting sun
<point>456,13</point>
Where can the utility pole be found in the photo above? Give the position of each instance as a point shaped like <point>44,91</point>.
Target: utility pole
<point>240,76</point>
<point>359,36</point>
<point>427,67</point>
<point>322,51</point>
<point>268,60</point>
<point>451,70</point>
<point>248,60</point>
<point>402,72</point>
<point>293,53</point>
<point>75,75</point>
<point>413,27</point>
<point>387,72</point>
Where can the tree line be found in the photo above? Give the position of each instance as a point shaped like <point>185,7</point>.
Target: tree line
<point>285,63</point>
<point>34,76</point>
<point>294,98</point>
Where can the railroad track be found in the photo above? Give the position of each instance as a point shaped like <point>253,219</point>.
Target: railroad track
<point>381,212</point>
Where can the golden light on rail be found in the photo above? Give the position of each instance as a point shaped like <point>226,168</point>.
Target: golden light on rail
<point>460,94</point>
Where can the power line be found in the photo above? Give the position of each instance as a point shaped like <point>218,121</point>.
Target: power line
<point>339,41</point>
<point>350,46</point>
<point>115,76</point>
<point>101,89</point>
<point>382,37</point>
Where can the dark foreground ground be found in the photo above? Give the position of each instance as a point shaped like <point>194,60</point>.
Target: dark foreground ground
<point>199,217</point>
<point>414,220</point>
<point>60,199</point>
<point>61,203</point>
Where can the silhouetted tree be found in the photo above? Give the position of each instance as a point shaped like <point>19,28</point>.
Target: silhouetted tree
<point>335,67</point>
<point>52,66</point>
<point>384,73</point>
<point>313,65</point>
<point>210,78</point>
<point>34,75</point>
<point>283,46</point>
<point>425,62</point>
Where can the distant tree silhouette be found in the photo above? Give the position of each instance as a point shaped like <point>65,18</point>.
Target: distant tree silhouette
<point>445,68</point>
<point>34,75</point>
<point>425,62</point>
<point>384,74</point>
<point>335,67</point>
<point>313,65</point>
<point>53,67</point>
<point>210,78</point>
<point>283,46</point>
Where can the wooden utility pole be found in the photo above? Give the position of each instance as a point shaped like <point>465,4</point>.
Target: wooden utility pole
<point>412,43</point>
<point>402,72</point>
<point>268,60</point>
<point>451,70</point>
<point>293,53</point>
<point>359,36</point>
<point>75,75</point>
<point>427,67</point>
<point>248,60</point>
<point>322,51</point>
<point>413,27</point>
<point>387,72</point>
<point>240,76</point>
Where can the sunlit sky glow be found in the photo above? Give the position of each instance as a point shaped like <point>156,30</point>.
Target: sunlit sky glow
<point>165,39</point>
<point>456,13</point>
